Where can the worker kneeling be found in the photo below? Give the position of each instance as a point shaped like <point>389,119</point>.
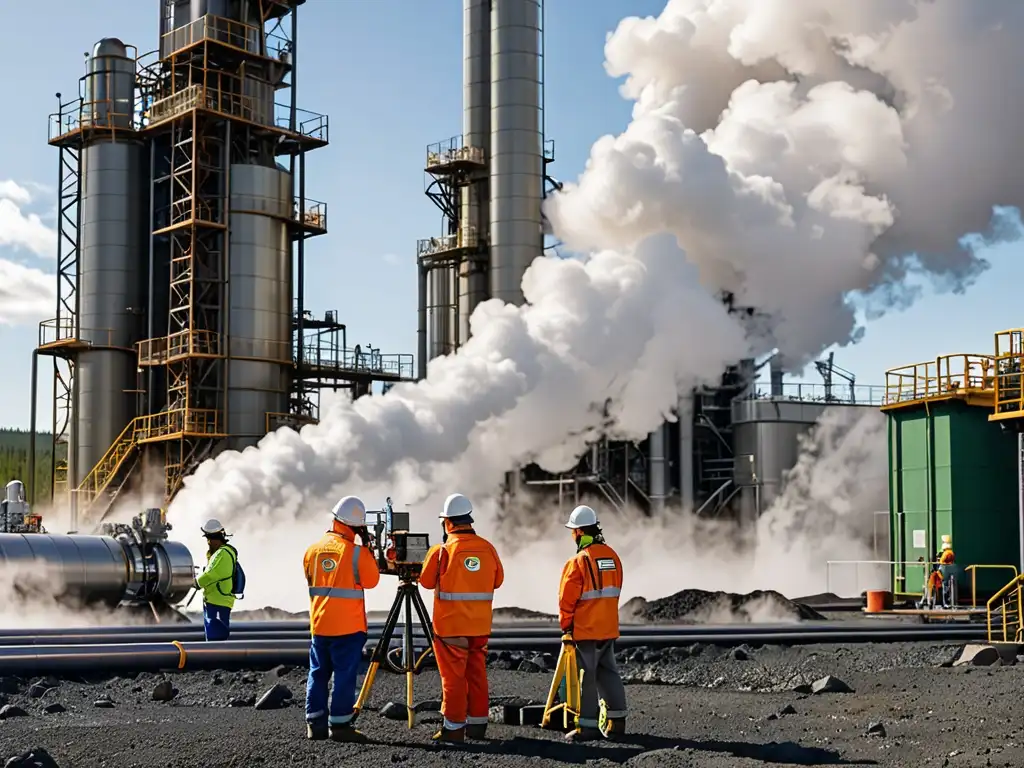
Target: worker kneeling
<point>588,608</point>
<point>463,571</point>
<point>338,569</point>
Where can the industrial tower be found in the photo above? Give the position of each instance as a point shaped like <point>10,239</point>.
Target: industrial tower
<point>181,325</point>
<point>490,182</point>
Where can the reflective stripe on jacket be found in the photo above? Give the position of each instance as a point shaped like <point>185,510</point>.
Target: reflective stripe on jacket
<point>588,596</point>
<point>216,580</point>
<point>337,572</point>
<point>463,572</point>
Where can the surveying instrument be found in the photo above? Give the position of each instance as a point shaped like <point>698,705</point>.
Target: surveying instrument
<point>399,553</point>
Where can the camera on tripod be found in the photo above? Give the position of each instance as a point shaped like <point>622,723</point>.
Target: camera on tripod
<point>398,552</point>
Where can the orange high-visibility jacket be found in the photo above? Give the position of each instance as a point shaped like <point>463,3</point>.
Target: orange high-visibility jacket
<point>337,571</point>
<point>588,597</point>
<point>463,572</point>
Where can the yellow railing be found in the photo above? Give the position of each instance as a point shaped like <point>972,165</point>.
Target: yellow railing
<point>62,332</point>
<point>187,343</point>
<point>1009,358</point>
<point>1004,613</point>
<point>973,570</point>
<point>181,422</point>
<point>216,29</point>
<point>948,376</point>
<point>465,238</point>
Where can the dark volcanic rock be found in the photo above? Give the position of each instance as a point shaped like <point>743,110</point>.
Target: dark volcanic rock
<point>393,710</point>
<point>164,691</point>
<point>54,709</point>
<point>275,698</point>
<point>10,710</point>
<point>699,606</point>
<point>34,758</point>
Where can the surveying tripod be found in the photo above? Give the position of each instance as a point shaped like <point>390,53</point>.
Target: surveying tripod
<point>407,600</point>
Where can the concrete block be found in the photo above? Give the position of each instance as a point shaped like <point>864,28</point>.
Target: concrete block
<point>977,655</point>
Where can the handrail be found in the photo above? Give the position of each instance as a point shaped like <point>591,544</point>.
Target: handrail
<point>1017,584</point>
<point>974,578</point>
<point>109,463</point>
<point>947,376</point>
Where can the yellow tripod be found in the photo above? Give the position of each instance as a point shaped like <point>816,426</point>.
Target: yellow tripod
<point>566,686</point>
<point>407,598</point>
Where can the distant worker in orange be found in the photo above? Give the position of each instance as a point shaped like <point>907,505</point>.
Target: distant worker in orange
<point>948,569</point>
<point>588,611</point>
<point>338,569</point>
<point>464,570</point>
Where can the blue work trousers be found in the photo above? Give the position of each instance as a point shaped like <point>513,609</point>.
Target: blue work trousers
<point>340,656</point>
<point>216,621</point>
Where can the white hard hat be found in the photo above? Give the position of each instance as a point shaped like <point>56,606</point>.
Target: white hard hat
<point>456,505</point>
<point>212,526</point>
<point>946,545</point>
<point>350,511</point>
<point>581,517</point>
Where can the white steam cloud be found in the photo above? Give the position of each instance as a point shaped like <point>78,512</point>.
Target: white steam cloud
<point>802,154</point>
<point>26,294</point>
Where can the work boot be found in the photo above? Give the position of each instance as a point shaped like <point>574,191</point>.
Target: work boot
<point>348,734</point>
<point>583,734</point>
<point>476,731</point>
<point>316,731</point>
<point>615,728</point>
<point>450,736</point>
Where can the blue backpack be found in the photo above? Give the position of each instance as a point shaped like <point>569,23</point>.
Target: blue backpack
<point>237,574</point>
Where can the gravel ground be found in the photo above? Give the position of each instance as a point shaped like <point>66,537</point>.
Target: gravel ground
<point>699,706</point>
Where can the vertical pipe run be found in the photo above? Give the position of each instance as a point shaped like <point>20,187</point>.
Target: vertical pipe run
<point>657,476</point>
<point>32,412</point>
<point>1020,496</point>
<point>476,132</point>
<point>686,479</point>
<point>516,162</point>
<point>421,327</point>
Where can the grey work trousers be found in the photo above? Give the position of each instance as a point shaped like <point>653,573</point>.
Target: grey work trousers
<point>596,660</point>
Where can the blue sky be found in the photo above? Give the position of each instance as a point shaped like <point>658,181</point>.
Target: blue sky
<point>388,72</point>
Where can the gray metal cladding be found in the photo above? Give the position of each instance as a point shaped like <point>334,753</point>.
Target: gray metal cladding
<point>109,86</point>
<point>259,301</point>
<point>441,308</point>
<point>93,566</point>
<point>476,130</point>
<point>112,274</point>
<point>516,160</point>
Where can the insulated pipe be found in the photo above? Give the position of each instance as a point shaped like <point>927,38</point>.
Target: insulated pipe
<point>188,656</point>
<point>286,630</point>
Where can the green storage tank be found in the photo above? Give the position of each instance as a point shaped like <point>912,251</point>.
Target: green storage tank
<point>952,472</point>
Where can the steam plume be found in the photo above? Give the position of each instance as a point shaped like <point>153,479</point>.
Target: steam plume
<point>803,154</point>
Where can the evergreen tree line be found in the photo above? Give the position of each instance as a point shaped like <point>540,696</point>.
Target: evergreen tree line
<point>14,453</point>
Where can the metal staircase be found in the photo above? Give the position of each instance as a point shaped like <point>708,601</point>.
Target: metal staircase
<point>94,495</point>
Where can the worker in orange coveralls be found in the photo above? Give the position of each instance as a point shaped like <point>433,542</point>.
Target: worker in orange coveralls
<point>464,570</point>
<point>588,611</point>
<point>339,568</point>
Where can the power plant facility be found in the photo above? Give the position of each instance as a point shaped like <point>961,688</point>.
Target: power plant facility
<point>181,327</point>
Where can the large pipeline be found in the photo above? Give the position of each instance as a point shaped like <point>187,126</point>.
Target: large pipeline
<point>154,656</point>
<point>285,630</point>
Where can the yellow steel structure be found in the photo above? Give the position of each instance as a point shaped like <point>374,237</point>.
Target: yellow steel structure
<point>1009,395</point>
<point>970,378</point>
<point>1005,611</point>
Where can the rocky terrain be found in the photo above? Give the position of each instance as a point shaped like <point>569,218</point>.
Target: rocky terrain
<point>696,606</point>
<point>887,705</point>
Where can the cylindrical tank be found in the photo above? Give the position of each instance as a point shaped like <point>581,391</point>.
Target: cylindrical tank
<point>684,459</point>
<point>258,324</point>
<point>476,132</point>
<point>112,261</point>
<point>766,436</point>
<point>657,476</point>
<point>441,303</point>
<point>516,159</point>
<point>95,569</point>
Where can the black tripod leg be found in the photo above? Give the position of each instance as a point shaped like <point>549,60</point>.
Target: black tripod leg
<point>428,629</point>
<point>379,654</point>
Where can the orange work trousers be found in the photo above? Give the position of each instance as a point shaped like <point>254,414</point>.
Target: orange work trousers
<point>462,662</point>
